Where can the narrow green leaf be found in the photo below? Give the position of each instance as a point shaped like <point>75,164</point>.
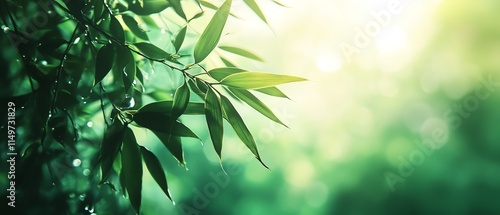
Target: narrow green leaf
<point>227,62</point>
<point>156,170</point>
<point>220,73</point>
<point>110,146</point>
<point>280,4</point>
<point>255,7</point>
<point>241,52</point>
<point>173,144</point>
<point>181,101</point>
<point>176,4</point>
<point>134,27</point>
<point>179,39</point>
<point>196,90</point>
<point>103,62</point>
<point>213,7</point>
<point>234,118</point>
<point>211,35</point>
<point>255,103</point>
<point>152,51</point>
<point>116,29</point>
<point>192,108</point>
<point>122,182</point>
<point>132,167</point>
<point>149,7</point>
<point>196,16</point>
<point>162,122</point>
<point>272,91</point>
<point>256,80</point>
<point>213,113</point>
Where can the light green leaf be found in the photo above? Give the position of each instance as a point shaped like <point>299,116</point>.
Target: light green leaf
<point>272,91</point>
<point>213,113</point>
<point>134,27</point>
<point>213,7</point>
<point>256,80</point>
<point>155,169</point>
<point>109,148</point>
<point>234,118</point>
<point>103,62</point>
<point>152,51</point>
<point>220,73</point>
<point>196,90</point>
<point>162,122</point>
<point>253,5</point>
<point>179,39</point>
<point>227,62</point>
<point>212,33</point>
<point>149,7</point>
<point>173,144</point>
<point>241,52</point>
<point>176,4</point>
<point>132,167</point>
<point>255,103</point>
<point>181,101</point>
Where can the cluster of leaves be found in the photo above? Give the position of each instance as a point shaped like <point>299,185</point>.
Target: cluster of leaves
<point>104,41</point>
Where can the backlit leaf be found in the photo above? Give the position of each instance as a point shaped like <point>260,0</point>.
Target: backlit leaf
<point>253,5</point>
<point>179,39</point>
<point>220,73</point>
<point>134,27</point>
<point>213,113</point>
<point>255,103</point>
<point>176,4</point>
<point>256,80</point>
<point>132,167</point>
<point>272,91</point>
<point>181,101</point>
<point>241,52</point>
<point>234,118</point>
<point>155,169</point>
<point>212,33</point>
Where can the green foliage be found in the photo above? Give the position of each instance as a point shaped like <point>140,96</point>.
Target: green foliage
<point>90,61</point>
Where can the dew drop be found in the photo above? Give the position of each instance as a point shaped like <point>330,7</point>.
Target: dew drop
<point>82,197</point>
<point>43,62</point>
<point>77,162</point>
<point>5,29</point>
<point>90,124</point>
<point>86,172</point>
<point>72,195</point>
<point>127,103</point>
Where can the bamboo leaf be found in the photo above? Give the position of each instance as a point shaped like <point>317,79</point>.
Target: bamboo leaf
<point>132,167</point>
<point>234,118</point>
<point>256,80</point>
<point>162,122</point>
<point>192,108</point>
<point>220,73</point>
<point>173,144</point>
<point>255,103</point>
<point>152,51</point>
<point>116,29</point>
<point>134,27</point>
<point>176,4</point>
<point>156,170</point>
<point>213,113</point>
<point>103,62</point>
<point>212,33</point>
<point>149,7</point>
<point>179,39</point>
<point>241,52</point>
<point>255,7</point>
<point>110,146</point>
<point>272,91</point>
<point>181,101</point>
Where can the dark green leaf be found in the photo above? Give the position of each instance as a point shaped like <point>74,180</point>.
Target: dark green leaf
<point>154,167</point>
<point>152,51</point>
<point>272,91</point>
<point>109,148</point>
<point>122,182</point>
<point>116,29</point>
<point>213,113</point>
<point>193,108</point>
<point>162,122</point>
<point>98,9</point>
<point>234,118</point>
<point>134,27</point>
<point>149,7</point>
<point>104,61</point>
<point>212,33</point>
<point>255,103</point>
<point>173,144</point>
<point>179,39</point>
<point>196,16</point>
<point>241,52</point>
<point>132,167</point>
<point>181,101</point>
<point>220,73</point>
<point>196,90</point>
<point>176,4</point>
<point>256,80</point>
<point>253,5</point>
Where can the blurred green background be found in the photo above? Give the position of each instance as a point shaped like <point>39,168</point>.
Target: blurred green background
<point>399,116</point>
<point>365,115</point>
